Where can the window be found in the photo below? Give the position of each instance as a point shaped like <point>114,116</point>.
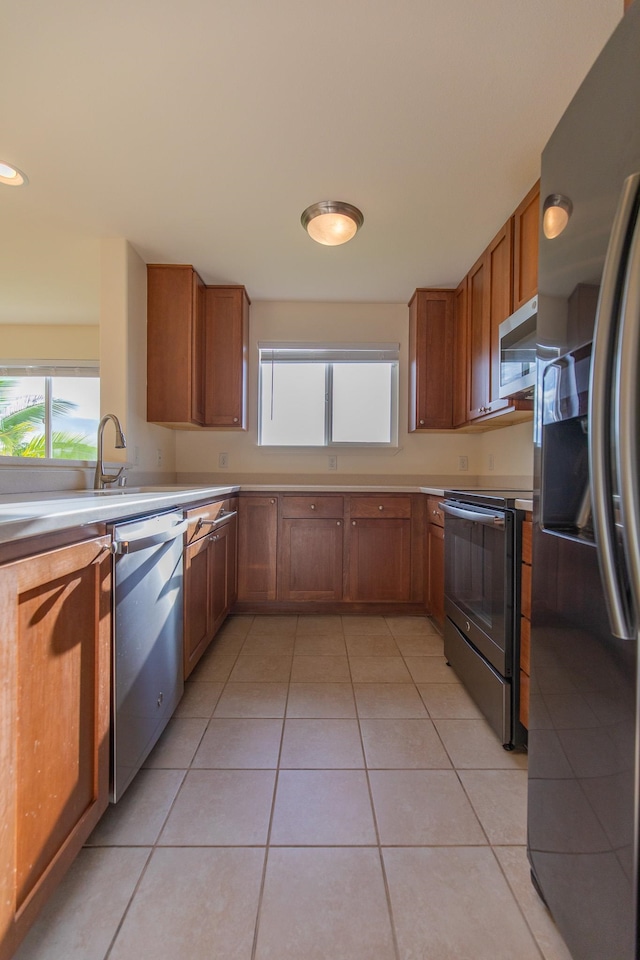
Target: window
<point>49,411</point>
<point>323,395</point>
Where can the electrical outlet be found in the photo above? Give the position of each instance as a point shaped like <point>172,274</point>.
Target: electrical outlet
<point>492,462</point>
<point>158,456</point>
<point>333,463</point>
<point>223,460</point>
<point>463,463</point>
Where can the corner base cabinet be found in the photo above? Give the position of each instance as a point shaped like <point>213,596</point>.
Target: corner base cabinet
<point>54,719</point>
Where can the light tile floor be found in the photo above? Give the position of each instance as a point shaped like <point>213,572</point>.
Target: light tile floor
<point>326,790</point>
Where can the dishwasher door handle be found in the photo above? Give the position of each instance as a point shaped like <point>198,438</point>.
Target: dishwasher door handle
<point>492,519</point>
<point>119,547</point>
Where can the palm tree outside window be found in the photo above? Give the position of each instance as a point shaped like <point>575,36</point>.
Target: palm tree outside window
<point>49,412</point>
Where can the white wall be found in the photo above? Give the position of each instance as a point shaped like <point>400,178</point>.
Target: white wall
<point>123,362</point>
<point>49,342</point>
<point>432,455</point>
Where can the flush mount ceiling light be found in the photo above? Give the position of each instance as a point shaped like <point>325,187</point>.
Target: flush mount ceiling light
<point>332,222</point>
<point>556,211</point>
<point>11,175</point>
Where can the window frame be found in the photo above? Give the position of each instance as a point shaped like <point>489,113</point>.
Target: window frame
<point>48,370</point>
<point>331,354</point>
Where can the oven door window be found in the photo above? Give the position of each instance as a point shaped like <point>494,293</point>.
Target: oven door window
<point>475,573</point>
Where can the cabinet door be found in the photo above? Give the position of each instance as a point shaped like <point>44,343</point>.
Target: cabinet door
<point>227,332</point>
<point>56,668</point>
<point>257,542</point>
<point>197,620</point>
<point>431,354</point>
<point>380,560</point>
<point>220,550</point>
<point>435,573</point>
<point>525,247</point>
<point>310,559</point>
<point>459,384</point>
<point>174,345</point>
<point>500,266</point>
<point>479,342</point>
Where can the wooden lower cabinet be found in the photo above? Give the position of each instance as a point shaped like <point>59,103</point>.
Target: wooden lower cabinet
<point>320,552</point>
<point>380,560</point>
<point>310,559</point>
<point>210,573</point>
<point>55,667</point>
<point>435,573</point>
<point>257,548</point>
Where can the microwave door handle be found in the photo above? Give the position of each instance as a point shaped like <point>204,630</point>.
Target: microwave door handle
<point>600,413</point>
<point>464,513</point>
<point>626,415</point>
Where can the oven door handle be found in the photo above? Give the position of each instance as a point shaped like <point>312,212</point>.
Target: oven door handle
<point>491,519</point>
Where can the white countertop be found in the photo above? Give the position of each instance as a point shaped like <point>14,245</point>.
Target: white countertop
<point>33,514</point>
<point>28,515</point>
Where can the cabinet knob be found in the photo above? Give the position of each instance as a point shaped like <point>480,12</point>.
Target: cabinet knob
<point>435,513</point>
<point>422,423</point>
<point>235,419</point>
<point>273,500</point>
<point>381,508</point>
<point>313,506</point>
<point>353,523</point>
<point>338,523</point>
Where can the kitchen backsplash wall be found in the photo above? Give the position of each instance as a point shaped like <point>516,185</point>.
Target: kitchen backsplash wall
<point>433,455</point>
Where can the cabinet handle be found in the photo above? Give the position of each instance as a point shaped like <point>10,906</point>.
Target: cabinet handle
<point>313,506</point>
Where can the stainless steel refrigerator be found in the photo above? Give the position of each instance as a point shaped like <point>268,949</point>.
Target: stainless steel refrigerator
<point>583,738</point>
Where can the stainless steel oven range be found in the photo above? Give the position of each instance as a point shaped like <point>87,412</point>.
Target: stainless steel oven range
<point>483,537</point>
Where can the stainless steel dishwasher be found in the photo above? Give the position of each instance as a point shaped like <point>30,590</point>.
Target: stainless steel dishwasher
<point>147,638</point>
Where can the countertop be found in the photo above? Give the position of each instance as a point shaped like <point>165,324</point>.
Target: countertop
<point>28,515</point>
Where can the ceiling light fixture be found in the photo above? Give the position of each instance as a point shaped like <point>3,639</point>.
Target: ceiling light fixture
<point>11,175</point>
<point>332,222</point>
<point>556,211</point>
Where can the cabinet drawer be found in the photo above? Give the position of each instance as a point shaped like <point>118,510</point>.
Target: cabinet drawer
<point>395,507</point>
<point>306,508</point>
<point>203,518</point>
<point>434,513</point>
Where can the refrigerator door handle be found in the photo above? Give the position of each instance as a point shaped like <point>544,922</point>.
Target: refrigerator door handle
<point>600,412</point>
<point>626,411</point>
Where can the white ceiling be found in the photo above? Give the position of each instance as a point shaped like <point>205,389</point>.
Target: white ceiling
<point>200,130</point>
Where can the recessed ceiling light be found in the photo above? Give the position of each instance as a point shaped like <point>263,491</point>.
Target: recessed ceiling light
<point>11,175</point>
<point>332,222</point>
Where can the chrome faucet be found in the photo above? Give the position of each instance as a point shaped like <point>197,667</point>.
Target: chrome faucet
<point>102,478</point>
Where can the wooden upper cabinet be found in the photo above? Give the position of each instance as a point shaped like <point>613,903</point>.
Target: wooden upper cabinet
<point>500,275</point>
<point>197,343</point>
<point>459,378</point>
<point>226,348</point>
<point>479,337</point>
<point>431,359</point>
<point>175,345</point>
<point>526,227</point>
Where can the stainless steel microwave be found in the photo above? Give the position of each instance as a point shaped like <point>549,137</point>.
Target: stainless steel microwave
<point>518,351</point>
